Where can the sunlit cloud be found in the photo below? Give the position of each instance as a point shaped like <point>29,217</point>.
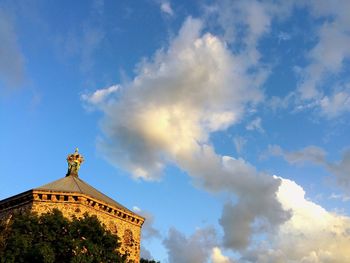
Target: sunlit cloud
<point>167,113</point>
<point>197,86</point>
<point>99,96</point>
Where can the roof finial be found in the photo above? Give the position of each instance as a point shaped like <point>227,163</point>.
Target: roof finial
<point>74,161</point>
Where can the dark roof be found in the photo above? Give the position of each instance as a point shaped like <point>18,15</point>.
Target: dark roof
<point>74,184</point>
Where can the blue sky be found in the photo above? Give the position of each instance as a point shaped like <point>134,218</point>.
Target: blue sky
<point>224,123</point>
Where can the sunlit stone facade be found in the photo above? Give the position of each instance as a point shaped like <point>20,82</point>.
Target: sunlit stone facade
<point>73,196</point>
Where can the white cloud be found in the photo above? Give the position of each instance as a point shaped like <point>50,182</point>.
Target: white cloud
<point>199,247</point>
<point>283,36</point>
<point>195,248</point>
<point>136,209</point>
<point>244,23</point>
<point>310,153</point>
<point>148,229</point>
<point>343,198</point>
<point>281,103</point>
<point>312,234</point>
<point>194,88</point>
<point>218,257</point>
<point>253,14</point>
<point>341,170</point>
<point>327,57</point>
<point>167,113</point>
<point>336,104</point>
<point>239,142</point>
<point>317,155</point>
<point>11,60</point>
<point>255,191</point>
<point>166,8</point>
<point>255,125</point>
<point>100,96</point>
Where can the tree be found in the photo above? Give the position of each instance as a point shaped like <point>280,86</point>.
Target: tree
<point>148,261</point>
<point>52,238</point>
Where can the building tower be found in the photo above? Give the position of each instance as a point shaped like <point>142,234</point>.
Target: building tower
<point>73,196</point>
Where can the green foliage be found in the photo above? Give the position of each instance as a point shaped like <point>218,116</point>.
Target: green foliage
<point>52,238</point>
<point>148,261</point>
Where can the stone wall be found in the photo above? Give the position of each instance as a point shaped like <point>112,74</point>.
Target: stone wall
<point>124,223</point>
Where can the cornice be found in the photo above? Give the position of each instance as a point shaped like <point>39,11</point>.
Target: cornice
<point>44,196</point>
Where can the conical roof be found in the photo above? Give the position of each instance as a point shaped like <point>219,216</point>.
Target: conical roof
<point>74,184</point>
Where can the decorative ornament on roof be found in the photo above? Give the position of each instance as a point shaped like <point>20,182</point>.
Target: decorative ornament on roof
<point>74,161</point>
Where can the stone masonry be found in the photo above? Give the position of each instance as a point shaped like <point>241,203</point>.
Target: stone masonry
<point>72,196</point>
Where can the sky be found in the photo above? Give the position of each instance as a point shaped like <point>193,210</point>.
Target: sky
<point>224,123</point>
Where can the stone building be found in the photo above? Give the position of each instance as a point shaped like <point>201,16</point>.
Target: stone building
<point>73,196</point>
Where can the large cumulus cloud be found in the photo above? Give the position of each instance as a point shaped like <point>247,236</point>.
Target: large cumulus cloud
<point>311,235</point>
<point>166,114</point>
<point>194,87</point>
<point>177,99</point>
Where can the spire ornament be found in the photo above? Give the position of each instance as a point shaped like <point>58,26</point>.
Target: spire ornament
<point>74,161</point>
